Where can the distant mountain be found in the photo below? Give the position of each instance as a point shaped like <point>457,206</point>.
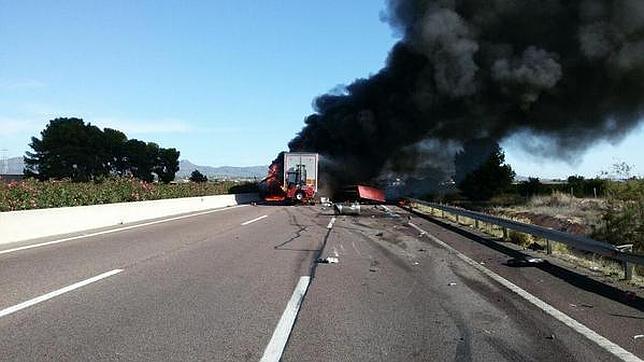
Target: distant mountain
<point>186,167</point>
<point>13,166</point>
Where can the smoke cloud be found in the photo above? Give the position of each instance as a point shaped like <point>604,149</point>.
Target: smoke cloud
<point>570,71</point>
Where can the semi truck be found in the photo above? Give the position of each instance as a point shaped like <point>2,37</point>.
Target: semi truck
<point>293,176</point>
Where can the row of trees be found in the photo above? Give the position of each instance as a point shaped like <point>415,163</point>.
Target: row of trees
<point>481,173</point>
<point>577,186</point>
<point>70,148</point>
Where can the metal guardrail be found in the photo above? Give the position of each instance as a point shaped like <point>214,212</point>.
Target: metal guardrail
<point>575,241</point>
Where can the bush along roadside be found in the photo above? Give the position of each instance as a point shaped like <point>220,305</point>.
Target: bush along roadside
<point>33,194</point>
<point>623,218</point>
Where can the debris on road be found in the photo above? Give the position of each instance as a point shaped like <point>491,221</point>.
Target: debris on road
<point>524,261</point>
<point>327,260</point>
<point>352,209</point>
<point>451,284</point>
<point>372,266</point>
<point>388,211</point>
<point>379,234</point>
<point>583,305</point>
<point>638,336</point>
<point>552,336</point>
<point>371,193</point>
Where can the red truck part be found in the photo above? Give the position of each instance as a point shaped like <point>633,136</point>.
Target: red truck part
<point>371,193</point>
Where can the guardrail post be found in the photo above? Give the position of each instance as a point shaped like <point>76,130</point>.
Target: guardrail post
<point>443,214</point>
<point>506,235</point>
<point>548,246</point>
<point>629,268</point>
<point>476,224</point>
<point>457,221</point>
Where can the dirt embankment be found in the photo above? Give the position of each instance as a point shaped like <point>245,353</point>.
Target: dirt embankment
<point>552,222</point>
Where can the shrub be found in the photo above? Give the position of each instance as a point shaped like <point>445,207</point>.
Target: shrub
<point>197,176</point>
<point>623,219</point>
<point>33,194</point>
<point>521,239</point>
<point>530,188</point>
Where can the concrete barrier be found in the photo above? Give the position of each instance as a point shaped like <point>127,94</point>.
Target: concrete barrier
<point>32,224</point>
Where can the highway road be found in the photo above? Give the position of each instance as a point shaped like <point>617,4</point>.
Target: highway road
<point>241,283</point>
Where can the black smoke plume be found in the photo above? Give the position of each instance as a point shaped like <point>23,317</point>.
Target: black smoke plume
<point>569,71</point>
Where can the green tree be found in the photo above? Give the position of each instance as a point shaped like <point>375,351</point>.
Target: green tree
<point>197,176</point>
<point>474,154</point>
<point>167,165</point>
<point>114,145</point>
<point>531,187</point>
<point>581,186</point>
<point>487,179</point>
<point>68,148</point>
<point>140,159</point>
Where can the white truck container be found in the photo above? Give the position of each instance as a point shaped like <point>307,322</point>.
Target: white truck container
<point>301,170</point>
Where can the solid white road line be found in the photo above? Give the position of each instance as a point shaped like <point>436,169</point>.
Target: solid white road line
<point>255,219</point>
<point>593,336</point>
<point>113,230</point>
<point>275,348</point>
<point>56,293</point>
<point>331,222</point>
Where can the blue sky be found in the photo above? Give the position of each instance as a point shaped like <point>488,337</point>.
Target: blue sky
<point>226,82</point>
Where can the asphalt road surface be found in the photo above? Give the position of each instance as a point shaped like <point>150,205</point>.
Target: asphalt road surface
<point>242,284</point>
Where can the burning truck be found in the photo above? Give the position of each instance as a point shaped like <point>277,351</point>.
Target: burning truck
<point>293,177</point>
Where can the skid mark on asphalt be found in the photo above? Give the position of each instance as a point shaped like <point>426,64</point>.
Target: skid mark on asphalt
<point>353,243</point>
<point>298,233</point>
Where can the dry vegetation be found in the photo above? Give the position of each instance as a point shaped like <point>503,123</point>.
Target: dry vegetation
<point>617,218</point>
<point>558,211</point>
